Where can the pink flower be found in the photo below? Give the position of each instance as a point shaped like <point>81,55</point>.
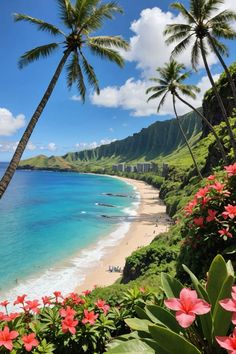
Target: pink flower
<point>199,221</point>
<point>220,188</point>
<point>230,305</point>
<point>6,337</point>
<point>20,299</point>
<point>228,343</point>
<point>86,292</point>
<point>211,178</point>
<point>11,316</point>
<point>101,304</point>
<point>230,212</point>
<point>190,206</point>
<point>231,170</point>
<point>57,295</point>
<point>89,317</point>
<point>211,215</point>
<point>68,312</point>
<point>187,307</point>
<point>4,303</point>
<point>30,341</point>
<point>32,306</point>
<point>225,233</point>
<point>75,298</point>
<point>202,192</point>
<point>68,325</point>
<point>46,300</point>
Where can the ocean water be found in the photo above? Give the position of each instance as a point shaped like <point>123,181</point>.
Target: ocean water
<point>54,226</point>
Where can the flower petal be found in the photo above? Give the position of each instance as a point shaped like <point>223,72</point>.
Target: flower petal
<point>225,342</point>
<point>201,307</point>
<point>185,319</point>
<point>228,305</point>
<point>173,304</point>
<point>188,294</point>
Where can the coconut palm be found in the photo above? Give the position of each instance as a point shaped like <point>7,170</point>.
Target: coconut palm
<point>79,20</point>
<point>170,80</point>
<point>205,26</point>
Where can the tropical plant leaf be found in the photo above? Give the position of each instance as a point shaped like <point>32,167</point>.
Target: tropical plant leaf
<point>162,317</point>
<point>35,54</point>
<point>171,286</point>
<point>41,25</point>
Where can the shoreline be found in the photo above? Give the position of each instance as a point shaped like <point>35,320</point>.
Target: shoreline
<point>151,220</point>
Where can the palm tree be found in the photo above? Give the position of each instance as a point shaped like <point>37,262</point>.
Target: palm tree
<point>80,20</point>
<point>170,81</point>
<point>206,27</point>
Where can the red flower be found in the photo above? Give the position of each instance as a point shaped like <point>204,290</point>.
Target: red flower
<point>20,299</point>
<point>189,208</point>
<point>231,170</point>
<point>68,312</point>
<point>220,188</point>
<point>86,292</point>
<point>187,306</point>
<point>101,304</point>
<point>6,338</point>
<point>57,294</point>
<point>46,300</point>
<point>199,221</point>
<point>75,298</point>
<point>228,343</point>
<point>30,341</point>
<point>230,212</point>
<point>4,303</point>
<point>89,317</point>
<point>225,233</point>
<point>211,178</point>
<point>11,316</point>
<point>32,306</point>
<point>202,192</point>
<point>68,325</point>
<point>2,316</point>
<point>211,215</point>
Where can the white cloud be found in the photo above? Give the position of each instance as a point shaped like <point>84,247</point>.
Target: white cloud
<point>93,145</point>
<point>10,124</point>
<point>131,96</point>
<point>148,47</point>
<point>75,98</point>
<point>49,147</point>
<point>10,146</point>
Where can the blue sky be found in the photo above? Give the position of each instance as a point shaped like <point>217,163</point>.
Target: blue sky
<point>121,109</point>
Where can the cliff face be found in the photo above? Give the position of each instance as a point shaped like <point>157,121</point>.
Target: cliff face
<point>158,140</point>
<point>210,105</point>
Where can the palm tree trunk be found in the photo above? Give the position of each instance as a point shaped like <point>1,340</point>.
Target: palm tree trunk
<point>185,138</point>
<point>220,102</point>
<point>28,131</point>
<point>227,72</point>
<point>209,125</point>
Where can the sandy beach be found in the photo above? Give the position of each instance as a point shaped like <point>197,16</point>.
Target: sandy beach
<point>150,221</point>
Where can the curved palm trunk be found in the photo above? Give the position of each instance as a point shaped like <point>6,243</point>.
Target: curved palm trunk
<point>200,115</point>
<point>186,140</point>
<point>230,132</point>
<point>227,72</point>
<point>28,131</point>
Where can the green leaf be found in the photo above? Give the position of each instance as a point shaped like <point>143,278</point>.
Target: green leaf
<point>216,277</point>
<point>171,286</point>
<point>206,320</point>
<point>163,317</point>
<point>172,342</point>
<point>230,250</point>
<point>221,317</point>
<point>138,325</point>
<point>141,313</point>
<point>133,346</point>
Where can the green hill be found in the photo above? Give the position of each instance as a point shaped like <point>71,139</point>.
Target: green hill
<point>158,141</point>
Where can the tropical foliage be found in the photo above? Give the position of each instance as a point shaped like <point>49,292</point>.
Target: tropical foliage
<point>189,321</point>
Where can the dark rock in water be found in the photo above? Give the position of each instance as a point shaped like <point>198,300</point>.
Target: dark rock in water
<point>105,216</point>
<point>106,205</point>
<point>116,195</point>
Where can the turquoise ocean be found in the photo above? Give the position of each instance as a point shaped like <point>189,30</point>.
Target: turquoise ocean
<point>55,226</point>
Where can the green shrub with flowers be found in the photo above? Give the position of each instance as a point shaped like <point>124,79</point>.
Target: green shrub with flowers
<point>199,321</point>
<point>65,325</point>
<point>209,225</point>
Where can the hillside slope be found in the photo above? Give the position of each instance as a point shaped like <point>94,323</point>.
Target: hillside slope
<point>157,141</point>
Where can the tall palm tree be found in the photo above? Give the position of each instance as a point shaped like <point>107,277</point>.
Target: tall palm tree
<point>79,20</point>
<point>170,81</point>
<point>206,27</point>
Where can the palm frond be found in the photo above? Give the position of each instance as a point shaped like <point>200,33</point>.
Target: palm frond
<point>175,28</point>
<point>223,30</point>
<point>94,20</point>
<point>197,9</point>
<point>221,47</point>
<point>156,89</point>
<point>189,90</point>
<point>37,53</point>
<point>183,76</point>
<point>222,17</point>
<point>162,102</point>
<point>41,25</point>
<point>75,75</point>
<point>181,46</point>
<point>88,69</point>
<point>195,55</point>
<point>106,53</point>
<point>110,41</point>
<point>211,6</point>
<point>186,14</point>
<point>66,13</point>
<point>177,37</point>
